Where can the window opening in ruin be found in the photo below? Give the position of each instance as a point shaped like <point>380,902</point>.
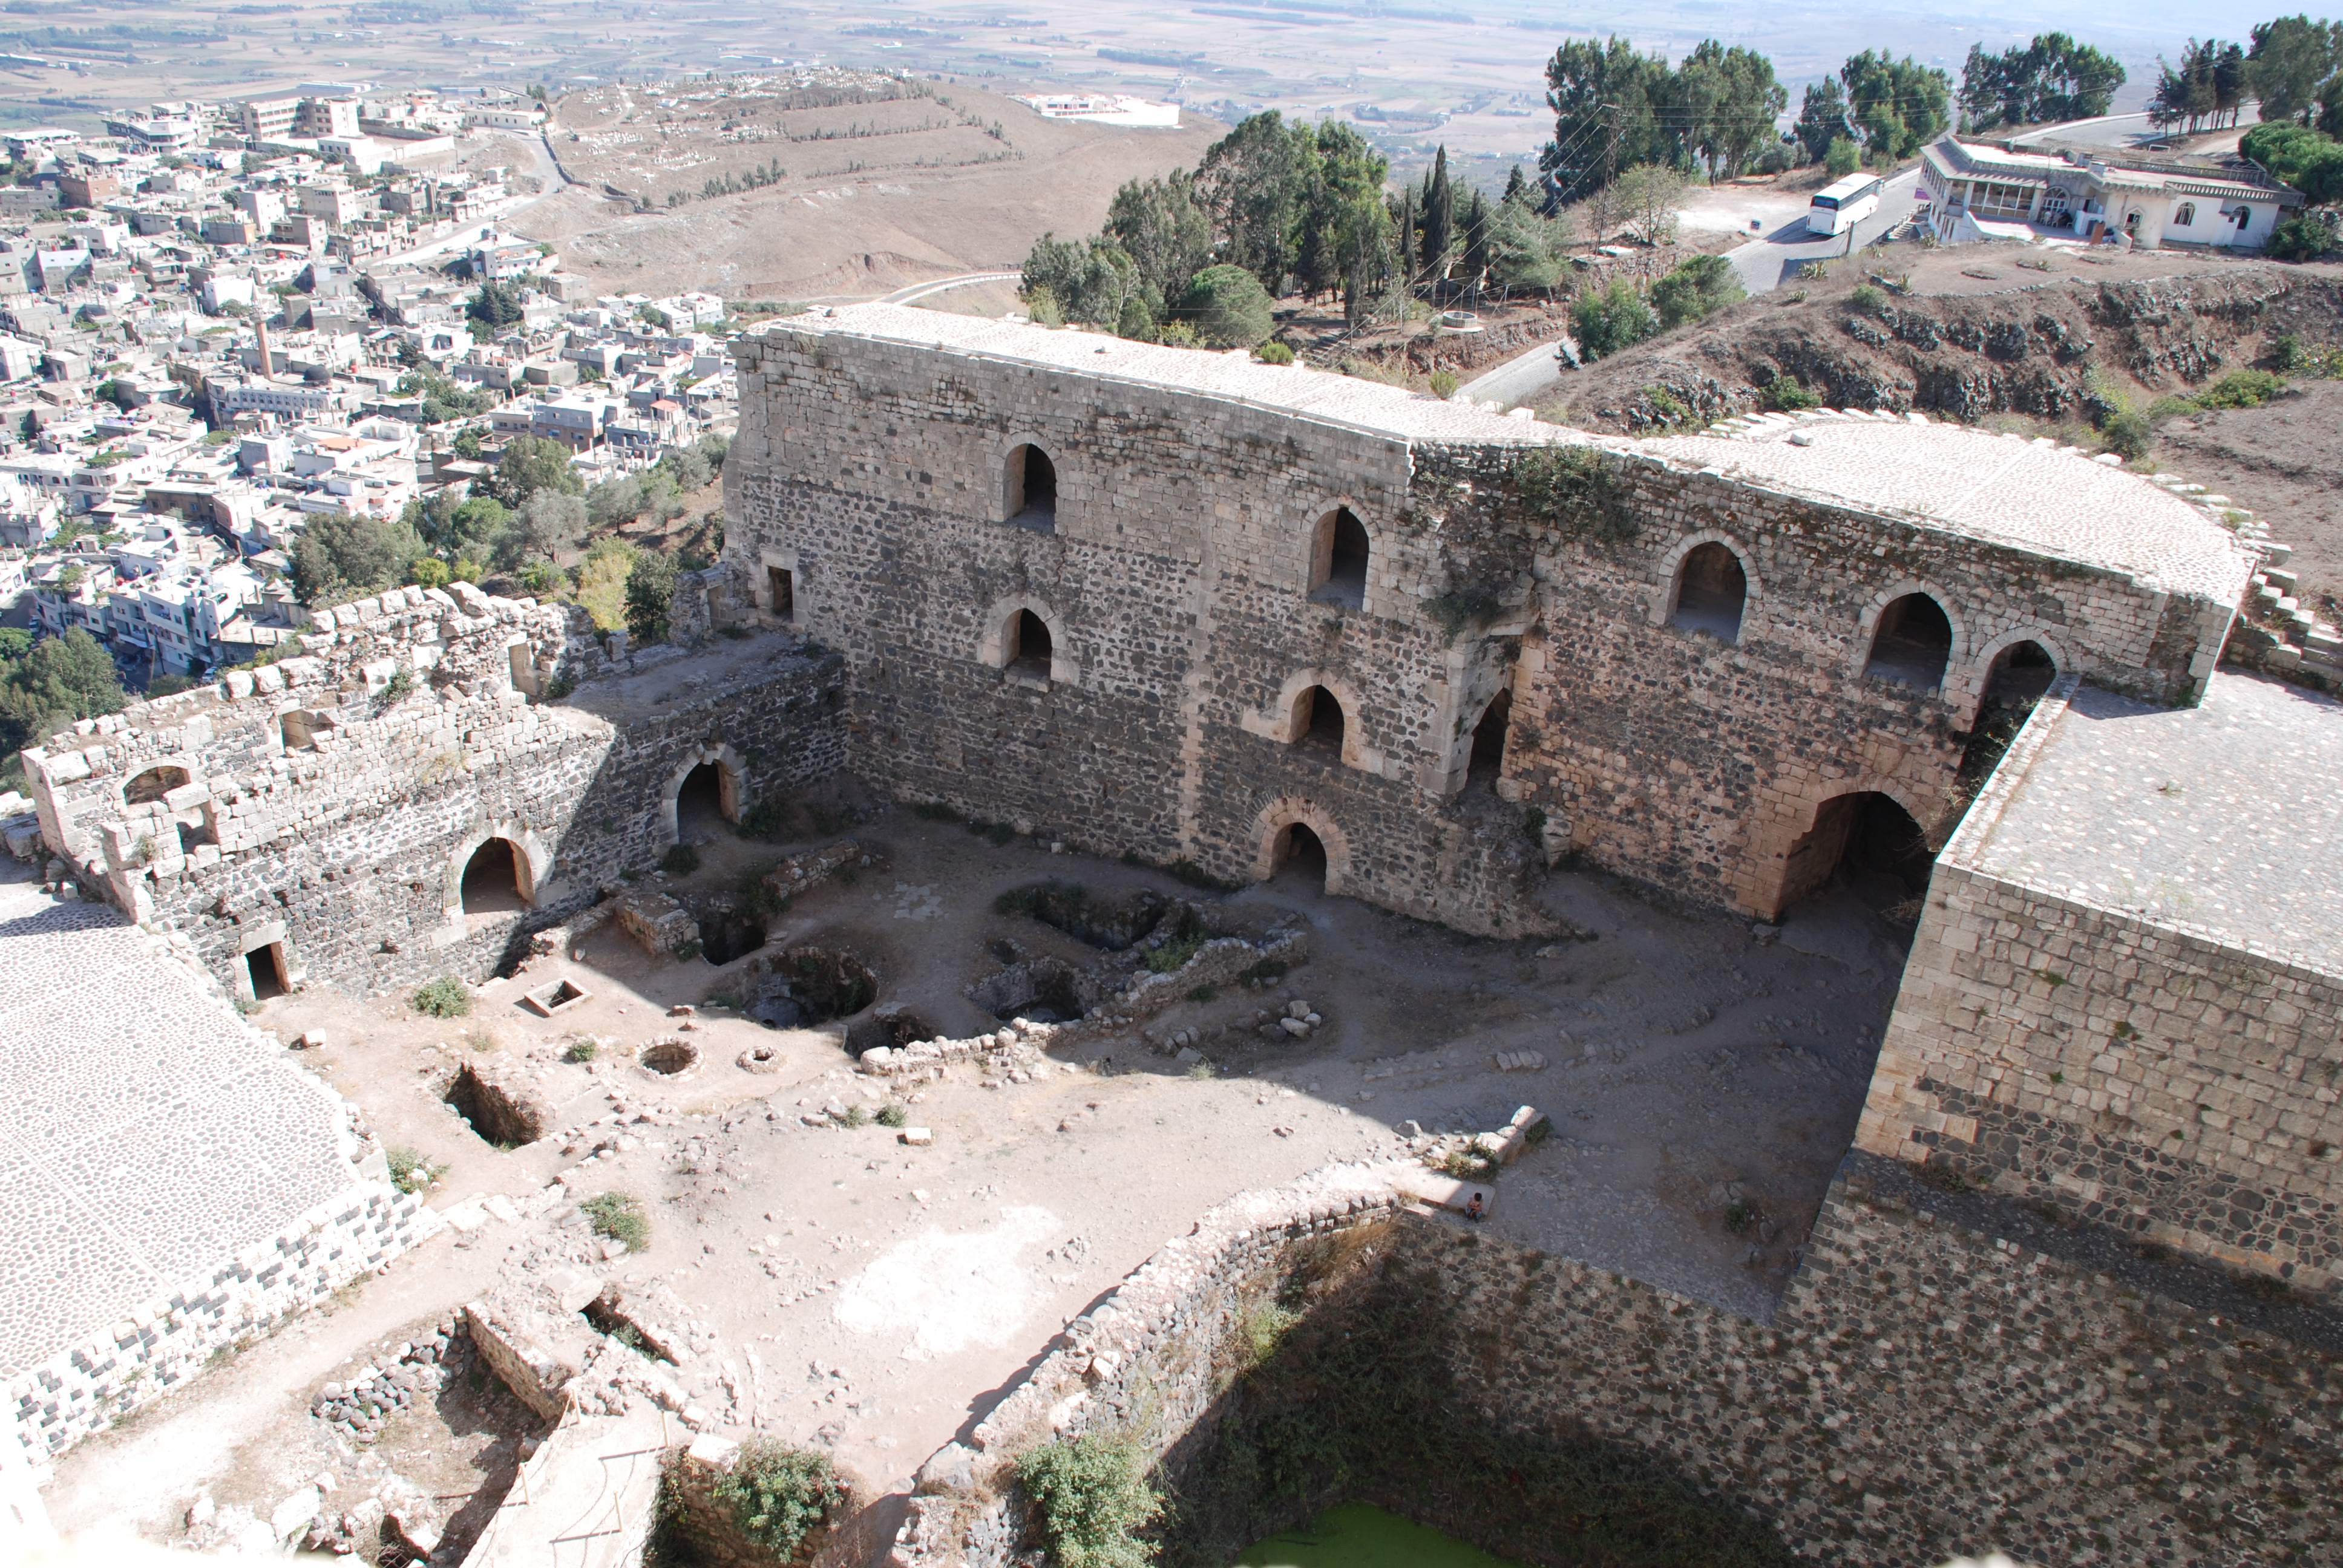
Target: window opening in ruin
<point>2021,672</point>
<point>1339,560</point>
<point>1912,643</point>
<point>707,798</point>
<point>1300,858</point>
<point>1318,723</point>
<point>1489,741</point>
<point>266,967</point>
<point>199,831</point>
<point>492,879</point>
<point>524,667</point>
<point>301,728</point>
<point>1032,499</point>
<point>1866,846</point>
<point>1029,646</point>
<point>1711,588</point>
<point>782,582</point>
<point>153,784</point>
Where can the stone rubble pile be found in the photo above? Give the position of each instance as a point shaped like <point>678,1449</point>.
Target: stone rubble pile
<point>359,1407</point>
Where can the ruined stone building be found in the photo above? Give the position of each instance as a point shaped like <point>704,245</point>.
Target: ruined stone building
<point>1181,606</point>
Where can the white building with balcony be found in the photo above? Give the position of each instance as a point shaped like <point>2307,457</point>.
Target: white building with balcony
<point>1978,190</point>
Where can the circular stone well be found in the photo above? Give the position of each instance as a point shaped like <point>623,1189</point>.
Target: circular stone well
<point>669,1058</point>
<point>760,1058</point>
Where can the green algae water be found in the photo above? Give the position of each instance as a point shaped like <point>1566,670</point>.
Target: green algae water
<point>1360,1535</point>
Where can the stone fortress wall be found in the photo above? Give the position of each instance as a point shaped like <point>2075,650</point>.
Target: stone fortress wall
<point>2136,1014</point>
<point>326,807</point>
<point>1945,1376</point>
<point>876,470</point>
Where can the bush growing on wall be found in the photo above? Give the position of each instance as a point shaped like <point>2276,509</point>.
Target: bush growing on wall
<point>779,1495</point>
<point>1089,1501</point>
<point>1572,488</point>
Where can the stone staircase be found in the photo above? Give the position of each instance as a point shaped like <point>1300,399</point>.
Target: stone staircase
<point>2274,631</point>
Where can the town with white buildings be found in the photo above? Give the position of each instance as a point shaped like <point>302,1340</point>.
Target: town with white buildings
<point>219,321</point>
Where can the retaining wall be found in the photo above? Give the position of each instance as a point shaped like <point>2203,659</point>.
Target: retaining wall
<point>1946,1374</point>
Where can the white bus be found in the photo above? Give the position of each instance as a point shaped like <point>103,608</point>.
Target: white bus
<point>1840,206</point>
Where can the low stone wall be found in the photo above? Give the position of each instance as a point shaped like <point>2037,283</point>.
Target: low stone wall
<point>88,1387</point>
<point>1947,1375</point>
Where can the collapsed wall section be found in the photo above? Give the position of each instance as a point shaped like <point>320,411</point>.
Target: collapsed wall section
<point>416,789</point>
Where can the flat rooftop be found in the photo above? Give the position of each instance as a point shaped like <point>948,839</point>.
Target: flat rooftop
<point>2223,821</point>
<point>151,1134</point>
<point>2032,496</point>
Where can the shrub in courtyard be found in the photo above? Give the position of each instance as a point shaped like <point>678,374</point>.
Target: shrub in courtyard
<point>443,997</point>
<point>620,1217</point>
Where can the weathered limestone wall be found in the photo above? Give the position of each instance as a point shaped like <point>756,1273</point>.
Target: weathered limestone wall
<point>2154,1080</point>
<point>1177,587</point>
<point>1944,1377</point>
<point>332,802</point>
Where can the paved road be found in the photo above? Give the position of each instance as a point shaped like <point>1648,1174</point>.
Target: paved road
<point>1766,264</point>
<point>937,286</point>
<point>1521,378</point>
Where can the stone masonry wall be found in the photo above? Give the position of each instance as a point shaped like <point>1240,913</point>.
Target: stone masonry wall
<point>1177,588</point>
<point>333,801</point>
<point>2146,1078</point>
<point>86,1388</point>
<point>1945,1376</point>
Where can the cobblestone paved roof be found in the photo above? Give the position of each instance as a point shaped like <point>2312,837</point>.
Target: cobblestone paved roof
<point>1371,406</point>
<point>150,1133</point>
<point>2225,821</point>
<point>2003,489</point>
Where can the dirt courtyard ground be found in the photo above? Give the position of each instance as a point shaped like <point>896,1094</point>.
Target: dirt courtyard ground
<point>879,1298</point>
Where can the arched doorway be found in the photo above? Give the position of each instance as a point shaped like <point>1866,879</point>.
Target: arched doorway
<point>1301,858</point>
<point>1488,759</point>
<point>702,802</point>
<point>1867,843</point>
<point>495,879</point>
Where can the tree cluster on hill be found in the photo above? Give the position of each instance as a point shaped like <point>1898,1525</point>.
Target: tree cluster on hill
<point>2207,89</point>
<point>2051,78</point>
<point>1877,107</point>
<point>2296,68</point>
<point>1615,107</point>
<point>47,685</point>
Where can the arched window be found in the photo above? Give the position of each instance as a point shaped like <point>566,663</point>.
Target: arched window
<point>1028,646</point>
<point>1489,741</point>
<point>1711,588</point>
<point>2183,214</point>
<point>1338,559</point>
<point>153,784</point>
<point>1318,721</point>
<point>1031,498</point>
<point>1911,644</point>
<point>301,728</point>
<point>2021,672</point>
<point>496,879</point>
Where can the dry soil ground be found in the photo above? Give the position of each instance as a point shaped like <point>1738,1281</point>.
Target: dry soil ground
<point>2281,460</point>
<point>885,1295</point>
<point>876,195</point>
